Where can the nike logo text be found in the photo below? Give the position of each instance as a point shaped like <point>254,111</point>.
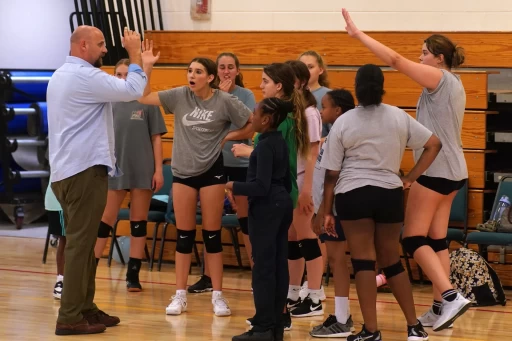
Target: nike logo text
<point>203,116</point>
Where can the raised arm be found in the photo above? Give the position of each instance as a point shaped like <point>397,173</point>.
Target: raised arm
<point>425,75</point>
<point>148,61</point>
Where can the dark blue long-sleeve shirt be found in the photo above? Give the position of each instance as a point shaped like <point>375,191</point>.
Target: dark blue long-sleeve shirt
<point>268,167</point>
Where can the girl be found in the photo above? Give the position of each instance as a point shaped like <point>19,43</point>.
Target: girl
<point>334,104</point>
<point>203,116</point>
<point>304,243</point>
<point>235,169</point>
<point>278,80</point>
<point>440,109</point>
<point>318,82</point>
<point>362,161</point>
<point>268,187</point>
<point>138,129</point>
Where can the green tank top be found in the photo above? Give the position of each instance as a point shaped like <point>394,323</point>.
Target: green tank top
<point>288,131</point>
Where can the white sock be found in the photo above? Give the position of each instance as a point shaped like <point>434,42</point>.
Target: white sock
<point>216,294</point>
<point>315,295</point>
<point>60,278</point>
<point>341,309</point>
<point>181,293</point>
<point>293,292</point>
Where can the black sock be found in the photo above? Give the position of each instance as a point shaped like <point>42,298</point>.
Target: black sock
<point>134,265</point>
<point>436,307</point>
<point>244,225</point>
<point>449,295</point>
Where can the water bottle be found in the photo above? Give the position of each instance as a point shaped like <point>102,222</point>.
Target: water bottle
<point>502,205</point>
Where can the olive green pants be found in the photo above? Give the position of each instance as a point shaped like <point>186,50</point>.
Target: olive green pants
<point>83,198</point>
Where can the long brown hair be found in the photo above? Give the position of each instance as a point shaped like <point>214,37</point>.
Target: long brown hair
<point>302,74</point>
<point>239,80</point>
<point>283,73</point>
<point>323,78</point>
<point>211,69</point>
<point>438,44</point>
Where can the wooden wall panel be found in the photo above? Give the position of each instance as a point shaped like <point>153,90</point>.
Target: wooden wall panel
<point>483,49</point>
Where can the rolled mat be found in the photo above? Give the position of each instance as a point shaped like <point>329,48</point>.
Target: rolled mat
<point>34,83</point>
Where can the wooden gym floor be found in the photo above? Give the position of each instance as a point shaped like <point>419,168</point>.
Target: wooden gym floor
<point>28,310</point>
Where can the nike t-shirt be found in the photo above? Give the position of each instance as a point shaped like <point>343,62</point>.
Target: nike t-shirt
<point>199,127</point>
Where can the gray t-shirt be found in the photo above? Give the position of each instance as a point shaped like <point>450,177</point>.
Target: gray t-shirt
<point>134,125</point>
<point>442,112</point>
<point>367,145</point>
<point>319,93</point>
<point>199,127</point>
<point>318,180</point>
<point>246,97</point>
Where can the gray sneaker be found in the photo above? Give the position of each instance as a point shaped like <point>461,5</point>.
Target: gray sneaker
<point>332,328</point>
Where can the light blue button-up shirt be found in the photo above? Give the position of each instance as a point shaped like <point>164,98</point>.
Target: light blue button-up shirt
<point>80,119</point>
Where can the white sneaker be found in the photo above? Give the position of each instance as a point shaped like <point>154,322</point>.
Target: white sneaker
<point>450,311</point>
<point>429,318</point>
<point>220,305</point>
<point>177,306</point>
<point>304,292</point>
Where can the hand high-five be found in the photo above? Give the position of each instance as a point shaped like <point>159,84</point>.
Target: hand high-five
<point>147,53</point>
<point>351,28</point>
<point>131,40</point>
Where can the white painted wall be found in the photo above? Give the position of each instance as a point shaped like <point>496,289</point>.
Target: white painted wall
<point>325,15</point>
<point>34,34</point>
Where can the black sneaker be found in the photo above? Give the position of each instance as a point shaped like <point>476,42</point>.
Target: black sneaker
<point>133,285</point>
<point>255,336</point>
<point>203,285</point>
<point>308,308</point>
<point>57,290</point>
<point>287,321</point>
<point>365,335</point>
<point>332,328</point>
<point>291,304</point>
<point>416,333</point>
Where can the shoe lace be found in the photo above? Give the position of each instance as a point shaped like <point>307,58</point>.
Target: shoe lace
<point>221,301</point>
<point>178,300</point>
<point>330,320</point>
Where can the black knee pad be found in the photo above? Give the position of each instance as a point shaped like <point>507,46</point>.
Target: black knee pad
<point>138,228</point>
<point>244,225</point>
<point>212,241</point>
<point>310,249</point>
<point>393,270</point>
<point>362,265</point>
<point>411,244</point>
<point>437,244</point>
<point>294,251</point>
<point>185,241</point>
<point>104,230</point>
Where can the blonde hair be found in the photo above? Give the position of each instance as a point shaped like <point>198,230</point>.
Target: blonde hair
<point>323,78</point>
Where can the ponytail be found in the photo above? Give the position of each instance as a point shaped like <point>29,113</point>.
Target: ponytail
<point>301,124</point>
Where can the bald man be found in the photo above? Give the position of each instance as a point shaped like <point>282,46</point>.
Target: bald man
<point>81,143</point>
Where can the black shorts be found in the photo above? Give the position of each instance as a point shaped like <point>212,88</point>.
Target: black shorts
<point>440,185</point>
<point>56,223</point>
<point>383,205</point>
<point>339,231</point>
<point>236,173</point>
<point>213,176</point>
